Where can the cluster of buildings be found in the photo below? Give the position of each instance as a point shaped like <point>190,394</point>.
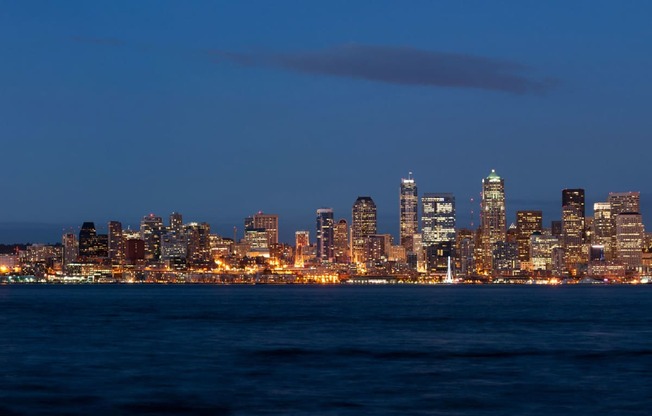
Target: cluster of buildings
<point>611,244</point>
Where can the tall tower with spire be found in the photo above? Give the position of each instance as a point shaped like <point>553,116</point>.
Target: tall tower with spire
<point>492,216</point>
<point>409,220</point>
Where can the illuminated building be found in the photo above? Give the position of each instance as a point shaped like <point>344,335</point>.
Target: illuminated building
<point>174,248</point>
<point>409,220</point>
<point>116,242</point>
<point>269,223</point>
<point>624,202</point>
<point>437,218</point>
<point>541,250</point>
<point>572,223</point>
<point>301,243</point>
<point>70,248</point>
<point>151,230</point>
<point>603,228</point>
<point>134,250</point>
<point>325,235</point>
<point>87,240</point>
<point>176,222</point>
<point>527,222</point>
<point>341,242</point>
<point>464,251</point>
<point>492,217</point>
<point>505,258</point>
<point>397,254</point>
<point>362,226</point>
<point>629,239</point>
<point>377,248</point>
<point>437,255</point>
<point>199,243</point>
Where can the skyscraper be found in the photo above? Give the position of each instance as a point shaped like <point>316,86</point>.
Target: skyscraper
<point>87,240</point>
<point>341,241</point>
<point>151,230</point>
<point>325,235</point>
<point>301,242</point>
<point>603,228</point>
<point>116,242</point>
<point>268,222</point>
<point>437,218</point>
<point>629,239</point>
<point>527,222</point>
<point>492,216</point>
<point>363,225</point>
<point>624,202</point>
<point>176,222</point>
<point>70,248</point>
<point>572,224</point>
<point>199,243</point>
<point>409,220</point>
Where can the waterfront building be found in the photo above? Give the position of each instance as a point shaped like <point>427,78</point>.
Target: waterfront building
<point>341,242</point>
<point>377,248</point>
<point>151,230</point>
<point>364,224</point>
<point>437,218</point>
<point>573,217</point>
<point>542,246</point>
<point>527,223</point>
<point>492,217</point>
<point>409,220</point>
<point>505,258</point>
<point>199,244</point>
<point>437,256</point>
<point>325,235</point>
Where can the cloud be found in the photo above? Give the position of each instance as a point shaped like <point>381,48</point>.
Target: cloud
<point>403,66</point>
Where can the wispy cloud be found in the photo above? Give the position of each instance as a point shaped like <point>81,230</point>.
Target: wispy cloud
<point>403,66</point>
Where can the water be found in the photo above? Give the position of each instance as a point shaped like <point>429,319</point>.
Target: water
<point>256,350</point>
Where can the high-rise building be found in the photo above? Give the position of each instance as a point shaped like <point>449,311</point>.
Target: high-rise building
<point>437,218</point>
<point>176,222</point>
<point>492,217</point>
<point>364,224</point>
<point>301,243</point>
<point>542,246</point>
<point>409,220</point>
<point>325,235</point>
<point>341,242</point>
<point>624,202</point>
<point>199,243</point>
<point>88,240</point>
<point>116,242</point>
<point>268,222</point>
<point>151,230</point>
<point>603,228</point>
<point>572,224</point>
<point>70,248</point>
<point>527,222</point>
<point>630,235</point>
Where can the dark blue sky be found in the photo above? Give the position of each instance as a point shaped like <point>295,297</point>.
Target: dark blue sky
<point>112,110</point>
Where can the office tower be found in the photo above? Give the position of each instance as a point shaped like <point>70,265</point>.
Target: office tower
<point>176,222</point>
<point>70,248</point>
<point>341,242</point>
<point>409,220</point>
<point>87,240</point>
<point>505,258</point>
<point>116,242</point>
<point>325,235</point>
<point>199,244</point>
<point>492,217</point>
<point>572,224</point>
<point>134,250</point>
<point>249,223</point>
<point>464,251</point>
<point>603,228</point>
<point>624,202</point>
<point>437,218</point>
<point>555,228</point>
<point>268,222</point>
<point>151,230</point>
<point>174,248</point>
<point>362,226</point>
<point>629,239</point>
<point>377,248</point>
<point>301,243</point>
<point>527,222</point>
<point>542,246</point>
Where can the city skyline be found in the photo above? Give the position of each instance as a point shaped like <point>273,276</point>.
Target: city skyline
<point>111,114</point>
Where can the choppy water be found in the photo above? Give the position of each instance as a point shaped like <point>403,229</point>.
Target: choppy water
<point>252,350</point>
